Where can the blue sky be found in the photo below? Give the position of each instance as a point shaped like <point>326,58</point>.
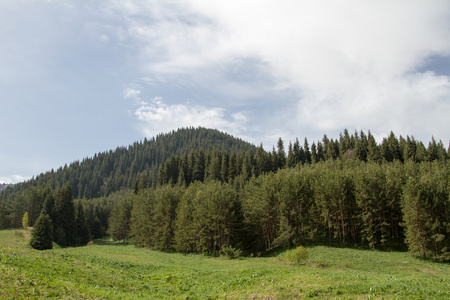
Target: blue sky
<point>82,77</point>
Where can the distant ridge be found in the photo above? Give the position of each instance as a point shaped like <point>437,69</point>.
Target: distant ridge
<point>113,170</point>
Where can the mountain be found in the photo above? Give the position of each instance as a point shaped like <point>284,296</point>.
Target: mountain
<point>113,170</point>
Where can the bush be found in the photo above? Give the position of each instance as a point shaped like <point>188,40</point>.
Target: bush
<point>230,252</point>
<point>25,220</point>
<point>298,255</point>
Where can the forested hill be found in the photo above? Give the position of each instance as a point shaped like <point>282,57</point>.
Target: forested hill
<point>113,170</point>
<point>4,186</point>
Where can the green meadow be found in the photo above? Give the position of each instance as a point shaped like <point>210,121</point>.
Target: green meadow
<point>108,270</point>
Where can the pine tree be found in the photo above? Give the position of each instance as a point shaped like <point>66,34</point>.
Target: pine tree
<point>34,198</point>
<point>198,172</point>
<point>42,235</point>
<point>373,154</point>
<point>82,230</point>
<point>49,204</point>
<point>314,157</point>
<point>290,162</point>
<point>281,154</point>
<point>307,151</point>
<point>120,219</point>
<point>224,168</point>
<point>2,218</point>
<point>64,212</point>
<point>409,153</point>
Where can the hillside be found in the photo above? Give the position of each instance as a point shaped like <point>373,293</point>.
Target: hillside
<point>346,192</point>
<point>113,170</point>
<point>4,186</point>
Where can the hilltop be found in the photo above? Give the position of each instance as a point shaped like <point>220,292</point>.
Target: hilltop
<point>114,170</point>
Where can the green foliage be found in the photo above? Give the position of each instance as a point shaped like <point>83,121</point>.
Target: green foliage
<point>230,252</point>
<point>426,210</point>
<point>64,213</point>
<point>82,232</point>
<point>42,234</point>
<point>25,220</point>
<point>141,227</point>
<point>207,218</point>
<point>164,215</point>
<point>3,222</point>
<point>120,219</point>
<point>111,171</point>
<point>198,190</point>
<point>298,255</point>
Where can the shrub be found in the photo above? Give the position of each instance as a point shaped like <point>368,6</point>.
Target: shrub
<point>298,255</point>
<point>25,220</point>
<point>230,252</point>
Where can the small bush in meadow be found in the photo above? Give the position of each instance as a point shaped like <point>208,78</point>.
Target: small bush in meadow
<point>25,220</point>
<point>230,252</point>
<point>298,255</point>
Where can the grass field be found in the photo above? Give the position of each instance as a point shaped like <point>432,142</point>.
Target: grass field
<point>106,270</point>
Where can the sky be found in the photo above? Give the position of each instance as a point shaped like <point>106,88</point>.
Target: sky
<point>82,77</point>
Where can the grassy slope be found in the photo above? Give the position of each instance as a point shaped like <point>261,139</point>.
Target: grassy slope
<point>108,270</point>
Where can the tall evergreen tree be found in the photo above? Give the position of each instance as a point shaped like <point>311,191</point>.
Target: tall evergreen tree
<point>42,234</point>
<point>281,154</point>
<point>307,151</point>
<point>3,221</point>
<point>81,226</point>
<point>120,220</point>
<point>198,173</point>
<point>49,204</point>
<point>224,172</point>
<point>64,212</point>
<point>314,157</point>
<point>373,153</point>
<point>290,161</point>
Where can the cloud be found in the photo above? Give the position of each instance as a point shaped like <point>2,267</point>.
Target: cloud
<point>104,38</point>
<point>13,179</point>
<point>346,64</point>
<point>156,117</point>
<point>131,93</point>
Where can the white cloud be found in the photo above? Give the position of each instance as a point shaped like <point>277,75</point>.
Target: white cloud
<point>156,117</point>
<point>104,38</point>
<point>13,179</point>
<point>351,64</point>
<point>131,93</point>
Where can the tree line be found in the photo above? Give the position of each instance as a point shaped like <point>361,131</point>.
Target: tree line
<point>347,191</point>
<point>336,202</point>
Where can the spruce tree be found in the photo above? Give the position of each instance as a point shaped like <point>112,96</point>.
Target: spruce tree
<point>64,213</point>
<point>49,205</point>
<point>119,221</point>
<point>373,154</point>
<point>2,218</point>
<point>82,230</point>
<point>281,154</point>
<point>307,151</point>
<point>42,235</point>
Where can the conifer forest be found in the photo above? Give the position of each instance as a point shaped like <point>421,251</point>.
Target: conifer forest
<point>198,190</point>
